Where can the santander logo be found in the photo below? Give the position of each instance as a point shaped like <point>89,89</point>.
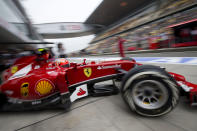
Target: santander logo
<point>81,92</point>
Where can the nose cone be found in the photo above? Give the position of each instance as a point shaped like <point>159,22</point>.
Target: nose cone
<point>9,88</point>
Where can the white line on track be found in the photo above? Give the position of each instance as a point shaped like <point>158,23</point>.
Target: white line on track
<point>164,60</point>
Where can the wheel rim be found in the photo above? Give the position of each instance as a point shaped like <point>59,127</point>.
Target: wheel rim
<point>150,94</point>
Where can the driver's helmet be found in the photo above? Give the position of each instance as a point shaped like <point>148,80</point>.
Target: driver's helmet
<point>43,53</point>
<point>62,62</point>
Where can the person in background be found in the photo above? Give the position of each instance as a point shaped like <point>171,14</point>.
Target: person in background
<point>61,51</point>
<point>50,50</point>
<point>120,46</point>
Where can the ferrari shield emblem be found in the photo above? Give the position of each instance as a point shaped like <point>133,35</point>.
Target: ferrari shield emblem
<point>87,72</point>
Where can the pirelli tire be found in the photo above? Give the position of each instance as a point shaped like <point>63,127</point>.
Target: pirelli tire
<point>150,91</point>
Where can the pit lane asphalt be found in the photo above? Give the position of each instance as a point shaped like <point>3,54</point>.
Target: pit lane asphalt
<point>106,114</point>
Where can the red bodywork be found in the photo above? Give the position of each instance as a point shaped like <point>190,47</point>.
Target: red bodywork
<point>58,78</point>
<point>29,79</point>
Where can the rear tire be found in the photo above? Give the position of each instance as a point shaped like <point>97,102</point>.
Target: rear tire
<point>150,91</point>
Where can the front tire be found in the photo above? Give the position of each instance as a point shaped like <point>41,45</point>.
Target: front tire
<point>153,93</point>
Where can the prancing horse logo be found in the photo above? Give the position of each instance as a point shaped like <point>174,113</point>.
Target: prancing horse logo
<point>87,72</point>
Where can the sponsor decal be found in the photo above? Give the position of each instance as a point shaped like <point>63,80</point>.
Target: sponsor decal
<point>108,67</point>
<point>184,86</point>
<point>44,86</point>
<point>14,69</point>
<point>25,89</point>
<point>80,91</point>
<point>87,71</point>
<point>36,102</point>
<point>13,100</point>
<point>9,92</point>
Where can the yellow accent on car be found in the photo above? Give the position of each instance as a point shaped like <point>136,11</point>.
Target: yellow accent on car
<point>14,69</point>
<point>44,87</point>
<point>41,49</point>
<point>87,72</point>
<point>25,89</point>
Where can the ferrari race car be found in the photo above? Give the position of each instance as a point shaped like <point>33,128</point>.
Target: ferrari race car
<point>36,82</point>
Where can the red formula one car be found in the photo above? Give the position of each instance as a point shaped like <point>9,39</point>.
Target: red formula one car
<point>35,82</point>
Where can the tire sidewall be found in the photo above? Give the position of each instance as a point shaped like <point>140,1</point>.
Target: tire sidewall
<point>126,93</point>
<point>166,107</point>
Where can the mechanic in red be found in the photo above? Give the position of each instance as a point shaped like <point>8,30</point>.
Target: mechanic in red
<point>120,46</point>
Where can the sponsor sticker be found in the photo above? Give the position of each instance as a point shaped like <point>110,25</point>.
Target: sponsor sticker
<point>36,102</point>
<point>108,67</point>
<point>9,92</point>
<point>87,72</point>
<point>184,86</point>
<point>44,86</point>
<point>80,92</point>
<point>14,69</point>
<point>25,89</point>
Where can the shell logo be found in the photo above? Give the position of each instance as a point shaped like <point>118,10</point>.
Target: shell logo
<point>44,87</point>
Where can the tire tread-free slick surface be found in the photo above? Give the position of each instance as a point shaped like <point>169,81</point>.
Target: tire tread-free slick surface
<point>144,73</point>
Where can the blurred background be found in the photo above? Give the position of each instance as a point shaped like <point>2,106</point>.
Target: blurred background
<point>92,27</point>
<point>156,32</point>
